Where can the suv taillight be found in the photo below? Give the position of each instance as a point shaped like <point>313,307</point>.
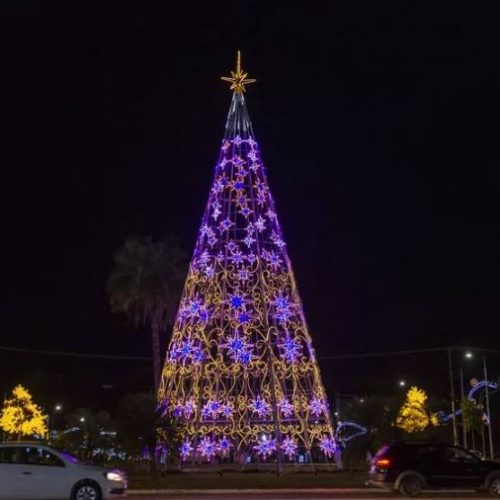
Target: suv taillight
<point>383,463</point>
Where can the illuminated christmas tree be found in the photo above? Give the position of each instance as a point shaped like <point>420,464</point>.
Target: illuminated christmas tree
<point>21,417</point>
<point>414,416</point>
<point>240,370</point>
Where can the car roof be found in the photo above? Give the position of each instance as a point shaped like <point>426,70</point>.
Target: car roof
<point>22,443</point>
<point>440,444</point>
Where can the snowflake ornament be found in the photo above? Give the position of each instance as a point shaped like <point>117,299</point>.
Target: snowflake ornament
<point>249,240</point>
<point>177,410</point>
<point>239,349</point>
<point>243,275</point>
<point>260,406</point>
<point>289,447</point>
<point>209,271</point>
<point>265,447</point>
<point>237,300</point>
<point>224,446</point>
<point>292,350</point>
<point>285,407</point>
<point>226,410</point>
<point>185,450</point>
<point>328,445</point>
<point>226,224</point>
<point>237,140</point>
<point>210,409</point>
<point>317,406</point>
<point>207,448</point>
<point>189,408</point>
<point>260,224</point>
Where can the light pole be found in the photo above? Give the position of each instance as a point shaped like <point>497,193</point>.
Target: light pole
<point>462,395</point>
<point>51,418</point>
<point>490,432</point>
<point>467,355</point>
<point>452,395</point>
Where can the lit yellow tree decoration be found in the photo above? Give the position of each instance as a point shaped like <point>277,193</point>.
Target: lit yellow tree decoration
<point>414,416</point>
<point>21,416</point>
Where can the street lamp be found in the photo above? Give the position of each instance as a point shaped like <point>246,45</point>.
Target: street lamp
<point>402,383</point>
<point>51,418</point>
<point>82,419</point>
<point>487,392</point>
<point>467,355</point>
<point>470,355</point>
<point>452,396</point>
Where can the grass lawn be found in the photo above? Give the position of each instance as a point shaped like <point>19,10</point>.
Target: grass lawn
<point>245,480</point>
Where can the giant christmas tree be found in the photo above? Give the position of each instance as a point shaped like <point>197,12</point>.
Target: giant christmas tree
<point>240,370</point>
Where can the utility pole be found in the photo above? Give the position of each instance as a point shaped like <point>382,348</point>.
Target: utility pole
<point>452,395</point>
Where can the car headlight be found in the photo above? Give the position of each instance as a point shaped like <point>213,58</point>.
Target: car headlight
<point>114,476</point>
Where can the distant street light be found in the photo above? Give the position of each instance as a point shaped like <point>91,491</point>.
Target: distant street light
<point>57,407</point>
<point>82,419</point>
<point>402,383</point>
<point>469,355</point>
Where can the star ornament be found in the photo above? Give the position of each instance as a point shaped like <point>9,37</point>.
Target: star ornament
<point>238,78</point>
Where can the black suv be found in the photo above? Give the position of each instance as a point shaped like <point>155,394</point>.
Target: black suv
<point>411,467</point>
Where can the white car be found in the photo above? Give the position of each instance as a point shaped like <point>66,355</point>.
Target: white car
<point>34,470</point>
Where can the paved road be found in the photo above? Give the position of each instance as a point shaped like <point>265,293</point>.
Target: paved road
<point>307,496</point>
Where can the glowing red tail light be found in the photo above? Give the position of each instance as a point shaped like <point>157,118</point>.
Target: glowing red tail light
<point>383,462</point>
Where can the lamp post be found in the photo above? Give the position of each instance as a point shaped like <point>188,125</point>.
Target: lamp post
<point>469,355</point>
<point>490,432</point>
<point>462,394</point>
<point>452,395</point>
<point>51,418</point>
<point>402,383</point>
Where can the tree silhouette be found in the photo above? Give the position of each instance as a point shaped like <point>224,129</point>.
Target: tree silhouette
<point>145,284</point>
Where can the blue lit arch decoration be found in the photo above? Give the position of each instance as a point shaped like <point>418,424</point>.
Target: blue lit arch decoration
<point>240,368</point>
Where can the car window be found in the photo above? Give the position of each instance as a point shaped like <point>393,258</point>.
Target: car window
<point>455,455</point>
<point>69,457</point>
<point>382,451</point>
<point>11,455</point>
<point>35,455</point>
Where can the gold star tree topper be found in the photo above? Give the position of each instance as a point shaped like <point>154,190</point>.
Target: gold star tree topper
<point>238,78</point>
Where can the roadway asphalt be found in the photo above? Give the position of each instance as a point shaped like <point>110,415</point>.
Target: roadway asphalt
<point>306,496</point>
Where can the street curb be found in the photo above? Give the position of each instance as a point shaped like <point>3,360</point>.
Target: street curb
<point>257,491</point>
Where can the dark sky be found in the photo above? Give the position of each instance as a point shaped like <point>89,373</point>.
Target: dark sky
<point>378,123</point>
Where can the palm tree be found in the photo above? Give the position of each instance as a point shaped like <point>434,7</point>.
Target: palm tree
<point>145,284</point>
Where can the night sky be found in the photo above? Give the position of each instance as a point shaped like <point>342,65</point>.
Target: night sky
<point>378,124</point>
